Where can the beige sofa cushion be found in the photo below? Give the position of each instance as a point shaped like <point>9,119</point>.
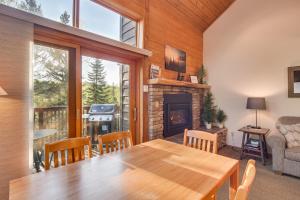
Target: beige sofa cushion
<point>293,154</point>
<point>291,134</point>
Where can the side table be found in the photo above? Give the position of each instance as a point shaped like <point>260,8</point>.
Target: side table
<point>253,147</point>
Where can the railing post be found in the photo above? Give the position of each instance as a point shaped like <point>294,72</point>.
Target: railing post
<point>41,119</point>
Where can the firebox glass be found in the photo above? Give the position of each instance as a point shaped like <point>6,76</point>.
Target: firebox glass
<point>178,117</point>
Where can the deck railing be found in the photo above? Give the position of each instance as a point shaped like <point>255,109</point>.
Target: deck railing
<point>53,118</point>
<point>57,118</point>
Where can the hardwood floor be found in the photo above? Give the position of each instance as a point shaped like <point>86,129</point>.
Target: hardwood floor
<point>267,185</point>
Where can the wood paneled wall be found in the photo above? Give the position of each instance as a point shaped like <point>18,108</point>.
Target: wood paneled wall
<point>15,39</point>
<point>164,24</point>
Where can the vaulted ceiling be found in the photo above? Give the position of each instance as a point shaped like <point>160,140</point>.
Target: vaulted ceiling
<point>201,12</point>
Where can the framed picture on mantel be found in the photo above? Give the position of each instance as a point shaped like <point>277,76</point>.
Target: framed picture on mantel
<point>294,82</point>
<point>194,79</point>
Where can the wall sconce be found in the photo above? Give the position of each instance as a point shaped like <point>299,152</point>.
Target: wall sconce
<point>2,92</point>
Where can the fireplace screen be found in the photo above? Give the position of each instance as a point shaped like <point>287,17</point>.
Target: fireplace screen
<point>178,117</point>
<point>177,113</point>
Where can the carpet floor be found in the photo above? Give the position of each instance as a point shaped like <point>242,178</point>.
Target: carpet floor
<point>266,186</point>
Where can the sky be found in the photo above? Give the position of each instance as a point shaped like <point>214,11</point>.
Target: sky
<point>93,18</point>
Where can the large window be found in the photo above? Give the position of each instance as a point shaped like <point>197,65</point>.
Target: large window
<point>90,16</point>
<point>100,20</point>
<point>94,18</point>
<point>57,10</point>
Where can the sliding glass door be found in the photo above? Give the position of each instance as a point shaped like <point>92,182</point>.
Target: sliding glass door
<point>50,98</point>
<point>105,97</point>
<point>79,92</point>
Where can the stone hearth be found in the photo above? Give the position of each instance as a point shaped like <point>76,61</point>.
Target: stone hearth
<point>156,102</point>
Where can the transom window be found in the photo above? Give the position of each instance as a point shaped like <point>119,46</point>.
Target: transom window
<point>90,16</point>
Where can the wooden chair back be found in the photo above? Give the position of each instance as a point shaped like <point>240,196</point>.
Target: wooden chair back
<point>73,147</point>
<point>248,178</point>
<point>114,141</point>
<point>201,140</point>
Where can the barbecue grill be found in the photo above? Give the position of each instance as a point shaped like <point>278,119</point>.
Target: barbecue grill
<point>101,118</point>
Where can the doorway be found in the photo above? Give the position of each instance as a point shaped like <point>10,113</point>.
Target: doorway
<point>107,103</point>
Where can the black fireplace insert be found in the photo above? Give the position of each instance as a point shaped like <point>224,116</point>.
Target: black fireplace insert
<point>177,113</point>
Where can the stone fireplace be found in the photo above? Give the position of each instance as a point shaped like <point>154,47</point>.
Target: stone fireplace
<point>160,99</point>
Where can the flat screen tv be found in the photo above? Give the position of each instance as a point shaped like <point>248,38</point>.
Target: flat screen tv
<point>175,59</point>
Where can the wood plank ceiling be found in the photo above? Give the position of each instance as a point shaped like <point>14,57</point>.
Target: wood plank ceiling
<point>201,12</point>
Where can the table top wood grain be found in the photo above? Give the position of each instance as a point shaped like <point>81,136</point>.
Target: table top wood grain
<point>154,170</point>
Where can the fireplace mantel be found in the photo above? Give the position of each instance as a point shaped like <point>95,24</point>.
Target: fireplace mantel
<point>162,81</point>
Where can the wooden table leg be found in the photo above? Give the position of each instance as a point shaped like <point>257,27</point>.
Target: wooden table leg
<point>234,182</point>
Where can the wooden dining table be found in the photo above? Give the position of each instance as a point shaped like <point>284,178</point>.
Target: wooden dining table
<point>153,170</point>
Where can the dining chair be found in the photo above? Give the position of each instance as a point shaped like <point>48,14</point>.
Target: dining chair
<point>114,141</point>
<point>248,178</point>
<point>200,140</point>
<point>72,147</point>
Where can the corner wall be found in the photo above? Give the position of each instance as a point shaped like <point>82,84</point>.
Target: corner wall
<point>247,52</point>
<point>15,39</point>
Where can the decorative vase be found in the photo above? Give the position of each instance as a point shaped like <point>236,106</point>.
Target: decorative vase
<point>221,125</point>
<point>207,125</point>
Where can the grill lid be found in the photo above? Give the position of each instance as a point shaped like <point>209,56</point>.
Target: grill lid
<point>102,109</point>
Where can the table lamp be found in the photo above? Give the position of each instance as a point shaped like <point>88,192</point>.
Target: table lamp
<point>2,91</point>
<point>257,103</point>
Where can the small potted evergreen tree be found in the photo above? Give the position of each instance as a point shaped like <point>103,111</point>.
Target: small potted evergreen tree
<point>202,73</point>
<point>221,118</point>
<point>209,110</point>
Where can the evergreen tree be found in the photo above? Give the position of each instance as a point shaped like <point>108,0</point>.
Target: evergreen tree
<point>31,6</point>
<point>97,91</point>
<point>114,98</point>
<point>209,109</point>
<point>65,18</point>
<point>202,74</point>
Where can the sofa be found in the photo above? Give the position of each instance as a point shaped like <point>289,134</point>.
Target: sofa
<point>285,146</point>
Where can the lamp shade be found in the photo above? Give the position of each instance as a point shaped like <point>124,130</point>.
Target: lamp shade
<point>258,103</point>
<point>2,91</point>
